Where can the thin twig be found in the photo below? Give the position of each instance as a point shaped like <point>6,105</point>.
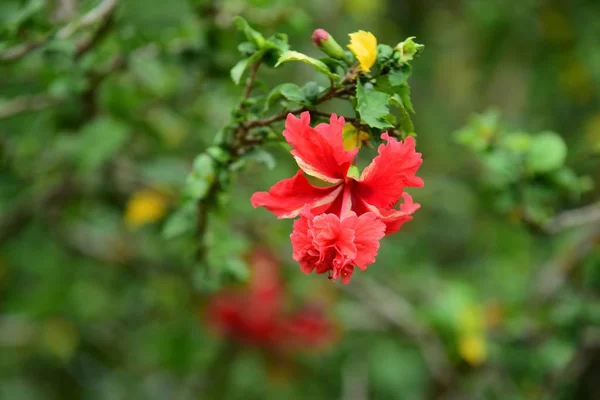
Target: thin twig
<point>87,45</point>
<point>587,215</point>
<point>352,120</point>
<point>576,366</point>
<point>22,49</point>
<point>283,115</point>
<point>250,83</point>
<point>22,104</point>
<point>555,271</point>
<point>37,102</point>
<point>103,10</point>
<point>399,312</point>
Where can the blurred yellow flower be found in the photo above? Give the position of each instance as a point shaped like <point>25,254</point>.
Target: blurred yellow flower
<point>145,207</point>
<point>60,338</point>
<point>471,337</point>
<point>364,46</point>
<point>575,80</point>
<point>364,8</point>
<point>555,25</point>
<point>472,348</point>
<point>591,131</point>
<point>352,138</point>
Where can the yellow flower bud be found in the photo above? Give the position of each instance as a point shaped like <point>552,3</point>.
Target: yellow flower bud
<point>145,207</point>
<point>364,46</point>
<point>352,138</point>
<point>472,348</point>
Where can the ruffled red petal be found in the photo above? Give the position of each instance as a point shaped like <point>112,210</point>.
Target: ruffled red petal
<point>287,197</point>
<point>319,151</point>
<point>393,219</point>
<point>368,231</point>
<point>333,245</point>
<point>382,183</point>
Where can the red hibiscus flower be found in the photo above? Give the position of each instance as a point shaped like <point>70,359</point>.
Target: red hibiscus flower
<point>320,152</point>
<point>340,225</point>
<point>336,245</point>
<point>257,317</point>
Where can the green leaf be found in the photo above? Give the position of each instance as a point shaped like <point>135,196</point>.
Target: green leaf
<point>171,126</point>
<point>180,222</point>
<point>201,178</point>
<point>547,152</point>
<point>251,34</point>
<point>311,91</point>
<point>247,48</point>
<point>155,76</point>
<point>400,76</point>
<point>404,92</point>
<point>405,121</point>
<point>296,56</point>
<point>218,154</point>
<point>517,142</point>
<point>384,53</point>
<point>238,69</point>
<point>99,140</point>
<point>288,91</point>
<point>373,107</point>
<point>501,168</point>
<point>164,171</point>
<point>258,155</point>
<point>568,180</point>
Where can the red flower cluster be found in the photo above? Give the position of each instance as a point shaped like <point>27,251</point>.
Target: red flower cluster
<point>256,316</point>
<point>340,226</point>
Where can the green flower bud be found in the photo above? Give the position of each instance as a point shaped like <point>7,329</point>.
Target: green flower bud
<point>409,49</point>
<point>327,44</point>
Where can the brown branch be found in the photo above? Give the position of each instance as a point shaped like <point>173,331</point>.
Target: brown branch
<point>22,104</point>
<point>103,10</point>
<point>250,83</point>
<point>352,120</point>
<point>576,366</point>
<point>85,46</point>
<point>18,51</point>
<point>398,312</point>
<point>283,115</point>
<point>41,101</point>
<point>554,272</point>
<point>587,215</point>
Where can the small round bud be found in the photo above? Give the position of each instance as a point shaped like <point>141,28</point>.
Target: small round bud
<point>327,44</point>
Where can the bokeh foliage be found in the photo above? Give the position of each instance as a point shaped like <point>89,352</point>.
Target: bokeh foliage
<point>101,291</point>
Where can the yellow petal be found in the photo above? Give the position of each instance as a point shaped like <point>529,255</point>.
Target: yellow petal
<point>472,349</point>
<point>145,207</point>
<point>364,46</point>
<point>353,139</point>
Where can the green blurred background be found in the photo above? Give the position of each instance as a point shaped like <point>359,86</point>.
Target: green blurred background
<point>98,133</point>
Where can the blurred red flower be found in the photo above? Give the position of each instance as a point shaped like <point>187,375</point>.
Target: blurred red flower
<point>257,316</point>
